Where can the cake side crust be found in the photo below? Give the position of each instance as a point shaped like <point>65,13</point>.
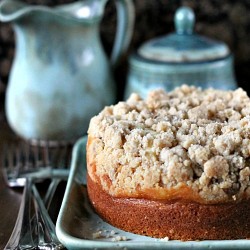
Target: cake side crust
<point>174,219</point>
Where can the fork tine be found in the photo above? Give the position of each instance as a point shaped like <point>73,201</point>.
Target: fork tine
<point>3,153</point>
<point>10,159</point>
<point>4,160</point>
<point>10,169</point>
<point>37,155</point>
<point>68,155</point>
<point>46,154</point>
<point>18,160</point>
<point>65,157</point>
<point>55,156</point>
<point>27,155</point>
<point>20,153</point>
<point>61,158</point>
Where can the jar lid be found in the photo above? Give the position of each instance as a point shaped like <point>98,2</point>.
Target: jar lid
<point>183,45</point>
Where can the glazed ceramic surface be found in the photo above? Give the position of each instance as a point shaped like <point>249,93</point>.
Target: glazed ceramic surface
<point>182,57</point>
<point>79,227</point>
<point>61,76</point>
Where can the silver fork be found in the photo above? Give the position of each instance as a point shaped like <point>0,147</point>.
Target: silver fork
<point>27,165</point>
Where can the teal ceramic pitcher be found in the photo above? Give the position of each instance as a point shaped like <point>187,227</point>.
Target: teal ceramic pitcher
<point>60,75</point>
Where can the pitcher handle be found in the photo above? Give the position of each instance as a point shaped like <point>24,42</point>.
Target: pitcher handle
<point>125,25</point>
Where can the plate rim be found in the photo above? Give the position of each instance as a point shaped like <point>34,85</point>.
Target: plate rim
<point>72,242</point>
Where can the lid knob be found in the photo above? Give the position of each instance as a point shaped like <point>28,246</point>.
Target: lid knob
<point>184,20</point>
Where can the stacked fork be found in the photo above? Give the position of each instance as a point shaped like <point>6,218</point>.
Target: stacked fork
<point>25,166</point>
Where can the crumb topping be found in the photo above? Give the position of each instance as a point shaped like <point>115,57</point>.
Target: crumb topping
<point>192,137</point>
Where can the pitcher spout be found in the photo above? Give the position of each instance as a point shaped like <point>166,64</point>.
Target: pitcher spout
<point>81,11</point>
<point>11,10</point>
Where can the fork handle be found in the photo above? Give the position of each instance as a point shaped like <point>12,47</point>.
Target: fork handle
<point>51,191</point>
<point>21,237</point>
<point>46,227</point>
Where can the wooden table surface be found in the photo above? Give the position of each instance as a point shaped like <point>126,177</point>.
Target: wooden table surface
<point>9,199</point>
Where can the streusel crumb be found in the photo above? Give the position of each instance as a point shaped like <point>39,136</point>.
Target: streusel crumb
<point>191,137</point>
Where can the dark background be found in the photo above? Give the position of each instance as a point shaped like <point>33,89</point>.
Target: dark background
<point>225,20</point>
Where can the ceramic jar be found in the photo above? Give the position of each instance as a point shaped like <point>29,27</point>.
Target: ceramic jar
<point>182,57</point>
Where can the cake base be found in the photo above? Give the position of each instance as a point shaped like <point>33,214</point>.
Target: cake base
<point>179,220</point>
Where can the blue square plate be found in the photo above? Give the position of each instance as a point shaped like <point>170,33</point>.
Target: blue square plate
<point>79,227</point>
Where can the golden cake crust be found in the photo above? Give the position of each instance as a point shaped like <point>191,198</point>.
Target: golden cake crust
<point>173,219</point>
<point>185,138</point>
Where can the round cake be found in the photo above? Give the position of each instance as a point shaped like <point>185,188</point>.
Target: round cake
<point>175,164</point>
